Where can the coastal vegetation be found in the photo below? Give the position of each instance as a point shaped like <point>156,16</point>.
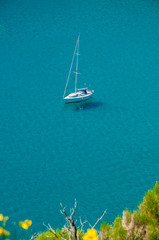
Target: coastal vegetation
<point>141,224</point>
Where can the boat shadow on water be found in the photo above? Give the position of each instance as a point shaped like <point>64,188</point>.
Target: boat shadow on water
<point>86,105</point>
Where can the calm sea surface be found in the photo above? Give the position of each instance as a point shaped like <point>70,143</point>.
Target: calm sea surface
<point>104,152</point>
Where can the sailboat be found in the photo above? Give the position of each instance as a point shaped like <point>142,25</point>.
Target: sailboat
<point>81,94</point>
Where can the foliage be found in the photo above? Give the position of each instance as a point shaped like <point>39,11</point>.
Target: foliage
<point>46,235</point>
<point>105,227</point>
<point>114,231</point>
<point>141,224</point>
<point>153,233</point>
<point>118,231</point>
<point>150,205</point>
<point>59,234</point>
<point>128,216</point>
<point>148,210</point>
<point>141,218</point>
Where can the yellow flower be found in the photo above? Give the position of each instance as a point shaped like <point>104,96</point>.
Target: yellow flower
<point>91,234</point>
<point>26,224</point>
<point>1,217</point>
<point>1,231</point>
<point>6,233</point>
<point>5,219</point>
<point>23,225</point>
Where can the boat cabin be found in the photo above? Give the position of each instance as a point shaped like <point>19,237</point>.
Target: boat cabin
<point>83,90</point>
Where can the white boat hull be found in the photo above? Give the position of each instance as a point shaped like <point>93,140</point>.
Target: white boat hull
<point>78,98</point>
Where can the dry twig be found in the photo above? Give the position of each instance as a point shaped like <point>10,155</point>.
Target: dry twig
<point>99,219</point>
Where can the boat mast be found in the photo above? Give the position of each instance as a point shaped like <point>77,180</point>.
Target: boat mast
<point>77,53</point>
<point>71,67</point>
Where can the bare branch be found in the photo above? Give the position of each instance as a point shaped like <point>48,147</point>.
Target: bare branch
<point>71,223</point>
<point>75,221</point>
<point>81,224</point>
<point>49,228</point>
<point>81,227</point>
<point>64,212</point>
<point>74,210</point>
<point>62,206</point>
<point>35,235</point>
<point>90,225</point>
<point>71,227</point>
<point>99,219</point>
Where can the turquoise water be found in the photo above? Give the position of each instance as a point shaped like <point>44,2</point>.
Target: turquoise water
<point>103,152</point>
